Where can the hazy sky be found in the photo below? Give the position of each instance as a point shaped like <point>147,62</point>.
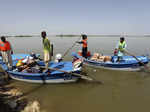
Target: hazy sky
<point>74,16</point>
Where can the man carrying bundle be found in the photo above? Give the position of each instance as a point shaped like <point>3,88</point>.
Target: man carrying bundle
<point>47,49</point>
<point>120,48</point>
<point>6,51</point>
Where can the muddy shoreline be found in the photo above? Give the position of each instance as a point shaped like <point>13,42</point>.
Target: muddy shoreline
<point>12,99</point>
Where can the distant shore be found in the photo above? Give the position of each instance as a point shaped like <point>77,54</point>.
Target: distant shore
<point>71,35</point>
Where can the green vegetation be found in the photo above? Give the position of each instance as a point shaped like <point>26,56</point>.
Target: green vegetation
<point>71,35</point>
<point>23,36</point>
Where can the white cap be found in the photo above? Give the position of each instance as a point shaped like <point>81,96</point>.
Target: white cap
<point>58,56</point>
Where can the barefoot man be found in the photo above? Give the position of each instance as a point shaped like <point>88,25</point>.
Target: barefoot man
<point>46,48</point>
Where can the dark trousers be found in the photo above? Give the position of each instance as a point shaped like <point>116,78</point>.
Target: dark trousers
<point>84,52</point>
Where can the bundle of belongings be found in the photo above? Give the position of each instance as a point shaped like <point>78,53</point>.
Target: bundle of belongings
<point>100,58</point>
<point>28,64</point>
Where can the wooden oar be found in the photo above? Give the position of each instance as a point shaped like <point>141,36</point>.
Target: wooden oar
<point>89,79</point>
<point>136,59</point>
<point>70,48</point>
<point>75,74</point>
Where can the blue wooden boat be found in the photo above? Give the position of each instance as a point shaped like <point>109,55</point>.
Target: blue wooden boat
<point>19,56</point>
<point>47,77</point>
<point>128,63</point>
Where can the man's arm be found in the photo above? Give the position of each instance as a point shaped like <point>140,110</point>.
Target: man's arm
<point>79,42</point>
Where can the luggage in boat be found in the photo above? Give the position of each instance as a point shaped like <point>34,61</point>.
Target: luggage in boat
<point>100,58</point>
<point>95,56</point>
<point>107,58</point>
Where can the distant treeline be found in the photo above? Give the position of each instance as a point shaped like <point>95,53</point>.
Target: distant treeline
<point>67,35</point>
<point>71,35</point>
<point>104,35</point>
<point>23,36</point>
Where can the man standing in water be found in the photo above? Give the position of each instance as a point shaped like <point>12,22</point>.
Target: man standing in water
<point>47,49</point>
<point>84,45</point>
<point>120,48</point>
<point>6,51</point>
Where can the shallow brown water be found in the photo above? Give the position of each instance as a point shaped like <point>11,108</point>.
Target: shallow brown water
<point>121,91</point>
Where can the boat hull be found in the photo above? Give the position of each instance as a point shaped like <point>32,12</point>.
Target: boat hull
<point>44,78</point>
<point>116,69</point>
<point>128,63</point>
<point>54,76</point>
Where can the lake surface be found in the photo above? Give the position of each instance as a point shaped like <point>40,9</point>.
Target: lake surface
<point>121,91</point>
